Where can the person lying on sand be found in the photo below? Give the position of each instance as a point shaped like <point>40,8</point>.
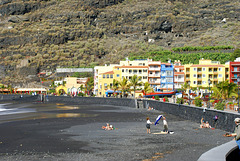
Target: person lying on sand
<point>108,127</point>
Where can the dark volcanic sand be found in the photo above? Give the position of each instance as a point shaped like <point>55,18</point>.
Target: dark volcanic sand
<point>77,135</point>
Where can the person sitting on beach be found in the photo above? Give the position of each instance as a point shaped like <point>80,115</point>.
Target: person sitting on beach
<point>150,108</point>
<point>202,125</point>
<point>207,125</point>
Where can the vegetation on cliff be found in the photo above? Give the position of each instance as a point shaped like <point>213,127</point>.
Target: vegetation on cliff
<point>41,35</point>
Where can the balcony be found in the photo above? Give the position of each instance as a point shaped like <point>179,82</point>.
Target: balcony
<point>154,69</point>
<point>177,86</point>
<point>235,71</point>
<point>179,80</point>
<point>154,75</point>
<point>154,82</point>
<point>154,63</point>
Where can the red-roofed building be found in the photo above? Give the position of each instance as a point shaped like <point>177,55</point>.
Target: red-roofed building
<point>234,70</point>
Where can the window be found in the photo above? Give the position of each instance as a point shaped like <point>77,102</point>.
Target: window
<point>104,76</point>
<point>111,84</point>
<point>220,75</point>
<point>219,69</point>
<point>195,75</point>
<point>169,73</point>
<point>118,75</point>
<point>130,71</point>
<point>126,70</point>
<point>107,75</point>
<point>111,76</point>
<point>194,69</point>
<point>203,69</point>
<point>105,85</point>
<point>203,75</point>
<point>235,69</point>
<point>143,64</point>
<point>140,64</point>
<point>117,68</point>
<point>169,80</point>
<point>203,82</point>
<point>194,82</point>
<point>145,71</point>
<point>123,70</point>
<point>144,77</point>
<point>130,64</point>
<point>100,86</point>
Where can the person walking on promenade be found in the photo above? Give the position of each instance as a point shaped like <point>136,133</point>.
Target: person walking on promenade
<point>148,125</point>
<point>236,133</point>
<point>165,125</point>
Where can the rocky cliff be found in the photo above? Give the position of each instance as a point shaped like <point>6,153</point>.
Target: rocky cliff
<point>45,34</point>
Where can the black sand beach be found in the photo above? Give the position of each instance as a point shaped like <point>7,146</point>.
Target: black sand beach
<point>62,132</point>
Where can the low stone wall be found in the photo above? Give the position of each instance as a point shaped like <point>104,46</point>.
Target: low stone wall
<point>94,100</point>
<point>11,97</point>
<point>225,119</point>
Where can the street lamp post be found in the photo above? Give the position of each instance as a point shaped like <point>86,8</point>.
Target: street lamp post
<point>189,99</point>
<point>238,80</point>
<point>209,81</point>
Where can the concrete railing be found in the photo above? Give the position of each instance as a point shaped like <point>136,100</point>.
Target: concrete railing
<point>225,152</point>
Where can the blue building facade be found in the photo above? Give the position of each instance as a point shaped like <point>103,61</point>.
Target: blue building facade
<point>167,77</point>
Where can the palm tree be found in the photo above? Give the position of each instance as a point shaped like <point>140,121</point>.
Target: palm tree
<point>115,86</point>
<point>224,90</point>
<point>9,87</point>
<point>231,90</point>
<point>147,88</point>
<point>185,86</point>
<point>134,82</point>
<point>123,85</point>
<point>89,85</point>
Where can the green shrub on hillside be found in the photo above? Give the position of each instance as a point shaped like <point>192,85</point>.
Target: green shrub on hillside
<point>201,48</point>
<point>185,58</point>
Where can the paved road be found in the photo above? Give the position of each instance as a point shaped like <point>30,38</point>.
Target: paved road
<point>73,132</point>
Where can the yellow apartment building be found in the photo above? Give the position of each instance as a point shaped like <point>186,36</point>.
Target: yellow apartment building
<point>104,75</point>
<point>97,71</point>
<point>105,81</point>
<point>206,71</point>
